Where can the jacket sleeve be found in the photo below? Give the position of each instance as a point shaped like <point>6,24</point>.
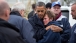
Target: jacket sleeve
<point>66,30</point>
<point>50,37</point>
<point>27,31</point>
<point>39,34</point>
<point>39,31</point>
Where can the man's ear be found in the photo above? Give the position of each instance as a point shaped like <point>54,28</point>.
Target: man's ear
<point>7,13</point>
<point>20,12</point>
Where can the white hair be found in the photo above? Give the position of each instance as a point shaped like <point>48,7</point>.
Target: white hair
<point>18,6</point>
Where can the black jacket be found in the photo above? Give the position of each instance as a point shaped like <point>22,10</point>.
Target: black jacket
<point>9,33</point>
<point>38,26</point>
<point>31,14</point>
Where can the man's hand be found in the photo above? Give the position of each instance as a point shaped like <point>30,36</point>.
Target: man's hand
<point>54,28</point>
<point>47,28</point>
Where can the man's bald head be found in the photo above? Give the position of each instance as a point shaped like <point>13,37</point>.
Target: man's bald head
<point>4,10</point>
<point>3,6</point>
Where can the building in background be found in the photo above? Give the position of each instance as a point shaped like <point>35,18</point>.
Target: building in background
<point>28,3</point>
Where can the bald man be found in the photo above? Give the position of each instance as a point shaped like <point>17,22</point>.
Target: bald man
<point>8,32</point>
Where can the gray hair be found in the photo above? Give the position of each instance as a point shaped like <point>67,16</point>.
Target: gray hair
<point>40,4</point>
<point>18,7</point>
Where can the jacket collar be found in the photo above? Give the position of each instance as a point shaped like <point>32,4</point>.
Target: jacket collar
<point>15,13</point>
<point>38,21</point>
<point>58,16</point>
<point>4,23</point>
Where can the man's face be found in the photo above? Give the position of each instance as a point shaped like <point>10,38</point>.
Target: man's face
<point>22,13</point>
<point>40,10</point>
<point>56,9</point>
<point>73,11</point>
<point>46,19</point>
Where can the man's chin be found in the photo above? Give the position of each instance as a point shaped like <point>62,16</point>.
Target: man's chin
<point>56,13</point>
<point>74,18</point>
<point>41,17</point>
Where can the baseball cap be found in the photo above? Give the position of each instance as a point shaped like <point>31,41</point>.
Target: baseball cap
<point>56,3</point>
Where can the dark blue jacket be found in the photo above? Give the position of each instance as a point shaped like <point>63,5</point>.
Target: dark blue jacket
<point>38,26</point>
<point>31,14</point>
<point>26,29</point>
<point>50,36</point>
<point>41,34</point>
<point>54,23</point>
<point>73,34</point>
<point>65,34</point>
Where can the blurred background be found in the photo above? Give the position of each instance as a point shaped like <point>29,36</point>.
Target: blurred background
<point>28,3</point>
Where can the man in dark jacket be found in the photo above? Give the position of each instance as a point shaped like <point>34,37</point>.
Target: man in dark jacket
<point>50,36</point>
<point>37,22</point>
<point>65,34</point>
<point>16,18</point>
<point>32,12</point>
<point>8,32</point>
<point>73,30</point>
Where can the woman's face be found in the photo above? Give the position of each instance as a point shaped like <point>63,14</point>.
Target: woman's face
<point>46,19</point>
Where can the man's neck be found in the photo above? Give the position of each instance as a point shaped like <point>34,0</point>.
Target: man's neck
<point>56,17</point>
<point>3,18</point>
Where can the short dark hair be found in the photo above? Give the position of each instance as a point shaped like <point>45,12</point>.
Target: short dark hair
<point>50,14</point>
<point>48,5</point>
<point>40,4</point>
<point>33,6</point>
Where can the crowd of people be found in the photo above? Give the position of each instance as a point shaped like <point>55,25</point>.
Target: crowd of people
<point>45,24</point>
